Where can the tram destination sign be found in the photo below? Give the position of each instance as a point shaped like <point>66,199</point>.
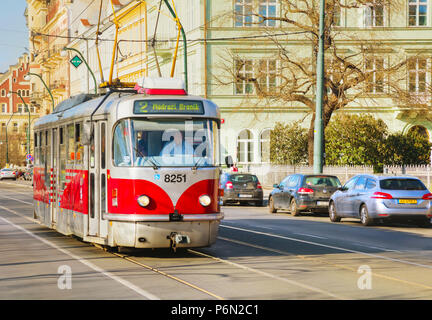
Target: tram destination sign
<point>168,107</point>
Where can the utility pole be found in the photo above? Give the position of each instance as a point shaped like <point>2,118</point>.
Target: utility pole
<point>319,127</point>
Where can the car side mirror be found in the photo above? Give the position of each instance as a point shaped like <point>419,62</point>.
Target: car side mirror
<point>342,189</point>
<point>275,185</point>
<point>229,161</point>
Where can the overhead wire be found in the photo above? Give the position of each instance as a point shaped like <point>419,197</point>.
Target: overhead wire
<point>173,40</point>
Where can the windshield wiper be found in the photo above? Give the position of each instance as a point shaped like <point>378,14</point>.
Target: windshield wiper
<point>197,163</point>
<point>153,162</point>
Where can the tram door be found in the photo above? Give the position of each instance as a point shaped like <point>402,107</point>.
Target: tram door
<point>98,226</point>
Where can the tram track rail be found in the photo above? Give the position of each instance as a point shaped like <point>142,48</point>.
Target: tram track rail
<point>213,295</point>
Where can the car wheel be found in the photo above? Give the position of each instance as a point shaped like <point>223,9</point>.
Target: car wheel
<point>272,209</point>
<point>293,208</point>
<point>365,219</point>
<point>333,214</point>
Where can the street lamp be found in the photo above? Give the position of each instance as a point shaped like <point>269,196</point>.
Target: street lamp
<point>29,121</point>
<point>27,77</point>
<point>319,127</point>
<point>63,53</point>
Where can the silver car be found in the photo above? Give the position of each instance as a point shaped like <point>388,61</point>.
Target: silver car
<point>371,198</point>
<point>8,174</point>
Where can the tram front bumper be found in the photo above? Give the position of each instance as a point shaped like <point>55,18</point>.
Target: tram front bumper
<point>198,231</point>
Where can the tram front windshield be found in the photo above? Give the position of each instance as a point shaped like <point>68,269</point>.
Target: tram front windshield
<point>164,142</point>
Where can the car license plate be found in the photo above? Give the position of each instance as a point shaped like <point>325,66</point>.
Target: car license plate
<point>322,203</point>
<point>407,201</point>
<point>245,196</point>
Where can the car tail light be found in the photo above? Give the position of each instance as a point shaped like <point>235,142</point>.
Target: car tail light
<point>381,195</point>
<point>259,185</point>
<point>305,191</point>
<point>427,196</point>
<point>229,185</point>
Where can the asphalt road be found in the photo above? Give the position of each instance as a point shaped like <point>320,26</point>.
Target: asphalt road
<point>258,255</point>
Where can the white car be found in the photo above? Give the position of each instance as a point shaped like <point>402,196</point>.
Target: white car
<point>8,174</point>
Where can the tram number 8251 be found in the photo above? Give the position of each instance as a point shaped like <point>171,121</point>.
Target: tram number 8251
<point>175,178</point>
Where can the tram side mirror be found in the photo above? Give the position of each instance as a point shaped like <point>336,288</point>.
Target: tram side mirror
<point>229,161</point>
<point>87,133</point>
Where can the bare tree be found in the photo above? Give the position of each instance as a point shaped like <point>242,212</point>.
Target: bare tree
<point>359,67</point>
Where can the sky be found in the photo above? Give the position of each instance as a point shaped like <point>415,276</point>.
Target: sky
<point>14,36</point>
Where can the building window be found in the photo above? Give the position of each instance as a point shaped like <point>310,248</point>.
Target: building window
<point>244,71</point>
<point>21,108</point>
<point>15,127</point>
<point>3,93</point>
<point>337,15</point>
<point>245,148</point>
<point>374,14</point>
<point>244,13</point>
<point>417,12</point>
<point>4,108</point>
<point>267,8</point>
<point>417,72</point>
<point>267,74</point>
<point>374,71</point>
<point>247,71</point>
<point>265,145</point>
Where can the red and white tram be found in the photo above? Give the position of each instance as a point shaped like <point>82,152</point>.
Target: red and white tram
<point>132,168</point>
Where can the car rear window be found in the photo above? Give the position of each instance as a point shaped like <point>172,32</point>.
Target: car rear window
<point>243,178</point>
<point>402,184</point>
<point>322,180</point>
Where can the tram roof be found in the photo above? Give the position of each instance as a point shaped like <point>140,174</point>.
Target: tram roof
<point>83,105</point>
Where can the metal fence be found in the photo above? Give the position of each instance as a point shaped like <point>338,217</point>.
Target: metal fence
<point>269,174</point>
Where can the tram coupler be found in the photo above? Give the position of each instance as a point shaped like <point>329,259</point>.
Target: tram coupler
<point>176,238</point>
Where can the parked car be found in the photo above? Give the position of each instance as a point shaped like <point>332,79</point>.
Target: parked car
<point>302,192</point>
<point>371,198</point>
<point>7,173</point>
<point>28,175</point>
<point>241,187</point>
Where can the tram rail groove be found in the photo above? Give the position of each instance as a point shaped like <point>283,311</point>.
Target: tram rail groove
<point>195,252</point>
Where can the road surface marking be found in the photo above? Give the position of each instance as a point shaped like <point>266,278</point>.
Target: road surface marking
<point>292,282</point>
<point>329,246</point>
<point>83,261</point>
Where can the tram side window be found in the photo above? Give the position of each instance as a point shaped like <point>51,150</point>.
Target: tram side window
<point>42,149</point>
<point>121,144</point>
<point>62,159</point>
<point>36,148</point>
<point>103,143</point>
<point>79,148</point>
<point>47,158</point>
<point>70,144</point>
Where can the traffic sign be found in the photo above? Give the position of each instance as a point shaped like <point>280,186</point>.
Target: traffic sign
<point>76,61</point>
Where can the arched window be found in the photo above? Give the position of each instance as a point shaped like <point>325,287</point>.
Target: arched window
<point>245,149</point>
<point>420,130</point>
<point>265,145</point>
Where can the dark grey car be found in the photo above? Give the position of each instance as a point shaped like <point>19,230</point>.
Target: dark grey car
<point>300,192</point>
<point>241,187</point>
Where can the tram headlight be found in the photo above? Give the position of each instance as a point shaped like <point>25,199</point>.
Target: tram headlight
<point>143,201</point>
<point>204,200</point>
